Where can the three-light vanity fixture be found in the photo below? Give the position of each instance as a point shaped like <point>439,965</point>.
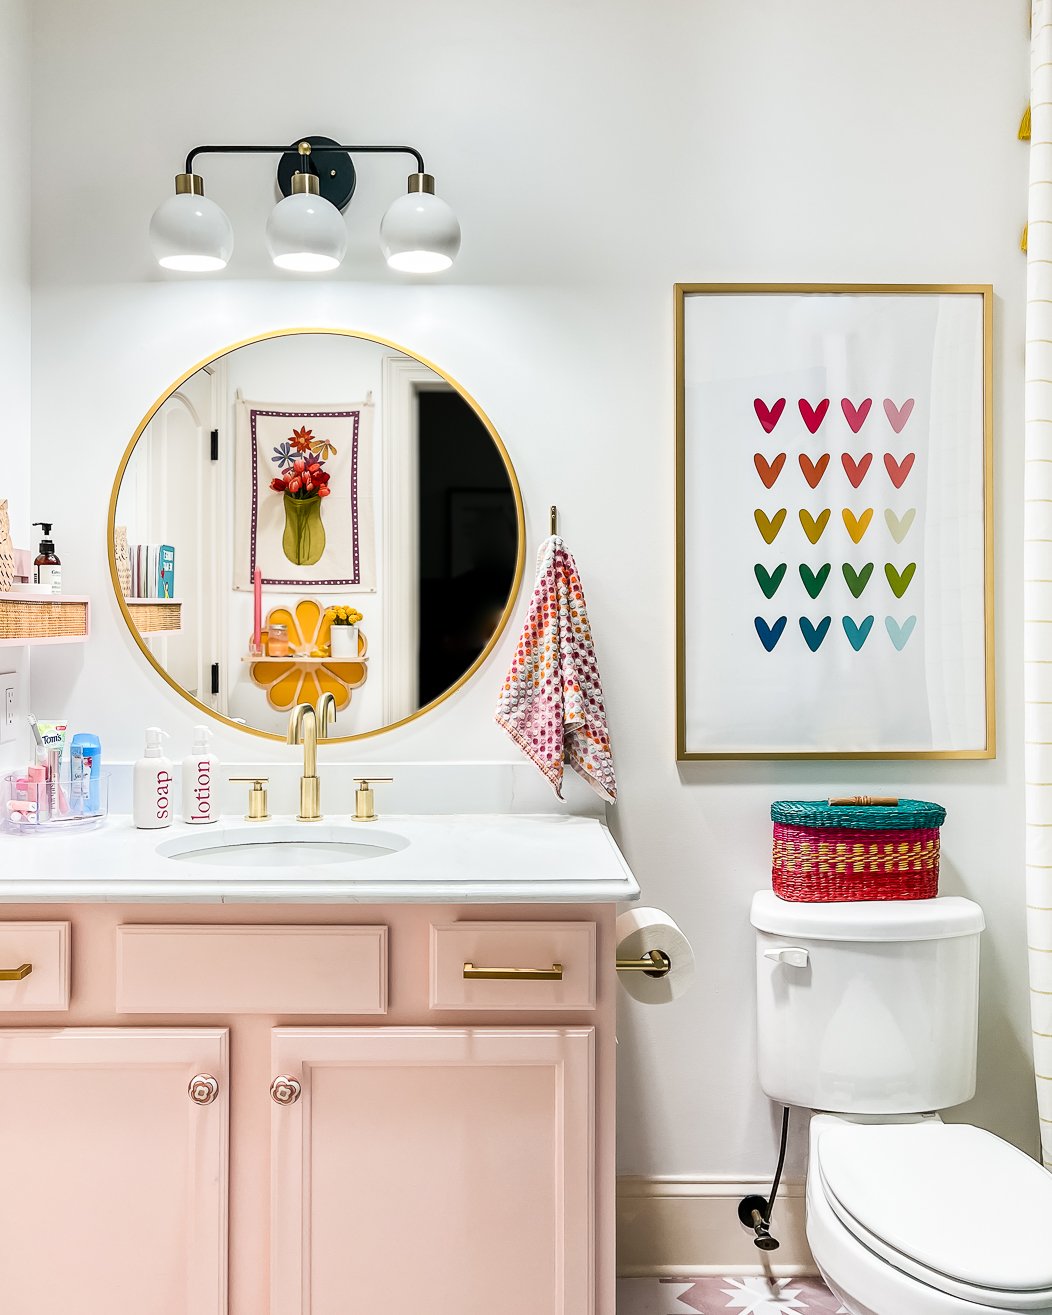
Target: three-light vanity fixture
<point>305,231</point>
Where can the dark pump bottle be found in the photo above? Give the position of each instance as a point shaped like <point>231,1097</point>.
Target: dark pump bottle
<point>47,569</point>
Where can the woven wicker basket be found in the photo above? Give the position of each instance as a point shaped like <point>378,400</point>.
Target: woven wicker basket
<point>860,851</point>
<point>28,617</point>
<point>155,617</point>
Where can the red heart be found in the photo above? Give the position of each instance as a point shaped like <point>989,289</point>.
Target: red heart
<point>898,415</point>
<point>814,470</point>
<point>898,470</point>
<point>814,415</point>
<point>768,416</point>
<point>855,415</point>
<point>856,470</point>
<point>769,471</point>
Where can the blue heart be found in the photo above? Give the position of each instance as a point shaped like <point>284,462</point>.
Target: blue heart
<point>815,634</point>
<point>769,635</point>
<point>899,634</point>
<point>857,635</point>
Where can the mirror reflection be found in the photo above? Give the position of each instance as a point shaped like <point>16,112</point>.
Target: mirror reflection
<point>316,512</point>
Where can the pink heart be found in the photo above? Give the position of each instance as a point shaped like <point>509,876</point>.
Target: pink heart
<point>856,470</point>
<point>855,415</point>
<point>899,470</point>
<point>768,416</point>
<point>898,415</point>
<point>814,415</point>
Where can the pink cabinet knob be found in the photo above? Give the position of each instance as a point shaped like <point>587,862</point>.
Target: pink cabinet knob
<point>203,1089</point>
<point>285,1090</point>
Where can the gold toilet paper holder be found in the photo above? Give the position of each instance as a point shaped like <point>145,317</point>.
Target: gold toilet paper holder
<point>655,963</point>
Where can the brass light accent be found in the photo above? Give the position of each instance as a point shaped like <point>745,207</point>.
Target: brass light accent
<point>257,797</point>
<point>203,1089</point>
<point>552,974</point>
<point>285,1090</point>
<point>15,974</point>
<point>189,185</point>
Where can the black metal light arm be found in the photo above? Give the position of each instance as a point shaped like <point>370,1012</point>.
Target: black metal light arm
<point>315,150</point>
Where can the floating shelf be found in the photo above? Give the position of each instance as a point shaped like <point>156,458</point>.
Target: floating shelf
<point>294,661</point>
<point>155,616</point>
<point>44,619</point>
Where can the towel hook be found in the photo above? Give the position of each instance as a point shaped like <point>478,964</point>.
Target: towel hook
<point>553,514</point>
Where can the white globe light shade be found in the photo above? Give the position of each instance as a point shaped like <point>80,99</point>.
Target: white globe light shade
<point>192,233</point>
<point>419,234</point>
<point>306,233</point>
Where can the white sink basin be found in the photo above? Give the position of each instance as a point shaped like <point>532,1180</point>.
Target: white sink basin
<point>288,845</point>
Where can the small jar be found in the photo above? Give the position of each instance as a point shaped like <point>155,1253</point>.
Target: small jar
<point>278,641</point>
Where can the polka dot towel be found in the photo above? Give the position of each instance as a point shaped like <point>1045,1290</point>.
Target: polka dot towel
<point>551,703</point>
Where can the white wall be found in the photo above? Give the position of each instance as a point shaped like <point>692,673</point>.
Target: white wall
<point>596,151</point>
<point>15,329</point>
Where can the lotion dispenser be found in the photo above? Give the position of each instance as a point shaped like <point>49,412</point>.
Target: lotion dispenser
<point>152,784</point>
<point>199,799</point>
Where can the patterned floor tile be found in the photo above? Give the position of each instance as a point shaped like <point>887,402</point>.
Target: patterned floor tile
<point>707,1296</point>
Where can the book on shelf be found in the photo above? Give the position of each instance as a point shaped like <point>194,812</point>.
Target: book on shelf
<point>152,570</point>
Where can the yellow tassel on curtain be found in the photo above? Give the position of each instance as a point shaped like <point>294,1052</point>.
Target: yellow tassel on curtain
<point>1023,241</point>
<point>1024,126</point>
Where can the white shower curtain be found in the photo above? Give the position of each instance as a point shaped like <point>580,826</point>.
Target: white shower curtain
<point>1037,612</point>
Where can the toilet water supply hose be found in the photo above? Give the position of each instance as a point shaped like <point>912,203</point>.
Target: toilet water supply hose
<point>755,1211</point>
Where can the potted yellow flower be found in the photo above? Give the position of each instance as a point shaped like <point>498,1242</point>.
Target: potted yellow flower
<point>343,633</point>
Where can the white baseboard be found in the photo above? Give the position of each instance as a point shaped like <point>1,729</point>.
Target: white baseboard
<point>676,1227</point>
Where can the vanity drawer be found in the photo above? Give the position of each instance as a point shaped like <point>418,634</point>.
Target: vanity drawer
<point>44,947</point>
<point>541,965</point>
<point>251,970</point>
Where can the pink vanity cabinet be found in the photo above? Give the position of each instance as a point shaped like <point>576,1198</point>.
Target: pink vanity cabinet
<point>307,1110</point>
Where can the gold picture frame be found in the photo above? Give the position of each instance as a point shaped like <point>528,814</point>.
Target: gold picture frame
<point>691,752</point>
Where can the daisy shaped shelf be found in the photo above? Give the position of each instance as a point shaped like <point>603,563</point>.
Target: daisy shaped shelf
<point>291,680</point>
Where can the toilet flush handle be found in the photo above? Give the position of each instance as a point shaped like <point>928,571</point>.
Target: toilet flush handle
<point>794,955</point>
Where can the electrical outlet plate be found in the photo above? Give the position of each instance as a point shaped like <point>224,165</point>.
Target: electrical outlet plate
<point>7,707</point>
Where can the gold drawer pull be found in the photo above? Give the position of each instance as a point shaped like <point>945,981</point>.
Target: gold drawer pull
<point>552,974</point>
<point>15,974</point>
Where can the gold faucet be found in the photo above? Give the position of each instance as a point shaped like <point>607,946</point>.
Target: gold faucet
<point>303,729</point>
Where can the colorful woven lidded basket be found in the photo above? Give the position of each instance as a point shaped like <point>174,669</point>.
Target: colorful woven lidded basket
<point>856,848</point>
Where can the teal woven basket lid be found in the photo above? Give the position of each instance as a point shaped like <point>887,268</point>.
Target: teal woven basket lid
<point>906,815</point>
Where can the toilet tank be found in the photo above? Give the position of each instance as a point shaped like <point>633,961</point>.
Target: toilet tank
<point>867,1008</point>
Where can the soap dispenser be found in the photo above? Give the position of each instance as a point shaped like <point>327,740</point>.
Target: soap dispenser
<point>152,784</point>
<point>199,800</point>
<point>47,569</point>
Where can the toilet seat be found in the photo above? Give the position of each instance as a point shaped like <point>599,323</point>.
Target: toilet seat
<point>949,1205</point>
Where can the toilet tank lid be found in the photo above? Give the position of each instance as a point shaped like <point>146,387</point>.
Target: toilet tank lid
<point>868,920</point>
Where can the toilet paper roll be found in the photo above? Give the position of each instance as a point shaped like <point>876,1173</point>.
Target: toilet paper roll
<point>642,930</point>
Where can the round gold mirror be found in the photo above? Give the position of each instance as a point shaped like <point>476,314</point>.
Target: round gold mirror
<point>316,511</point>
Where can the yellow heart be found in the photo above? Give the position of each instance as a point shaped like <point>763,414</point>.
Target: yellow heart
<point>814,529</point>
<point>769,527</point>
<point>857,526</point>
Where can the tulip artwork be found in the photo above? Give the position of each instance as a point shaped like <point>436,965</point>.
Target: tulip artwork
<point>303,484</point>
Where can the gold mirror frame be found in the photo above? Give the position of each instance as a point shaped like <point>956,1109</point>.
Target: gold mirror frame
<point>520,519</point>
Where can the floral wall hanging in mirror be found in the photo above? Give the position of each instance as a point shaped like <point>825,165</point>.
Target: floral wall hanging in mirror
<point>303,484</point>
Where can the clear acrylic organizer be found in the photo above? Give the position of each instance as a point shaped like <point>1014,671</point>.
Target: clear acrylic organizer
<point>36,808</point>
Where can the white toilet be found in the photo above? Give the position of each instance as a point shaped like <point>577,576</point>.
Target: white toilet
<point>867,1014</point>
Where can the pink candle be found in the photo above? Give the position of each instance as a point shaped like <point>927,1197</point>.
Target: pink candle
<point>257,589</point>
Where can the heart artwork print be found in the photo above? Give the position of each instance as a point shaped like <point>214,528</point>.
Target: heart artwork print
<point>833,537</point>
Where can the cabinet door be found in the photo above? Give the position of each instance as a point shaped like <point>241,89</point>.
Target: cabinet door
<point>113,1179</point>
<point>440,1169</point>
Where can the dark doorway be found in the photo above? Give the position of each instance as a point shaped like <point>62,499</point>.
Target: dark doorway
<point>468,539</point>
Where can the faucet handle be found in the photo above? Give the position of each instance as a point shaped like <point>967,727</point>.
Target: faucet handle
<point>257,797</point>
<point>364,804</point>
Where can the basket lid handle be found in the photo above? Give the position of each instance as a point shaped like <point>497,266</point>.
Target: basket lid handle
<point>864,801</point>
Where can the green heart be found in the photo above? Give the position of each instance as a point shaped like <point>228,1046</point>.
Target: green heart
<point>814,582</point>
<point>900,580</point>
<point>857,580</point>
<point>769,582</point>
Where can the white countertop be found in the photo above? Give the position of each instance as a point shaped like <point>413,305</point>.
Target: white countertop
<point>448,859</point>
